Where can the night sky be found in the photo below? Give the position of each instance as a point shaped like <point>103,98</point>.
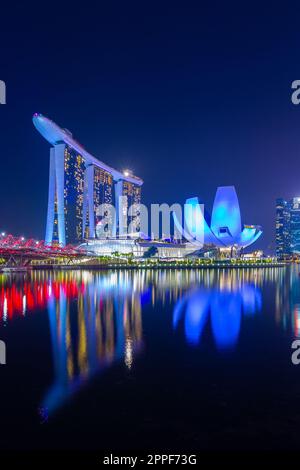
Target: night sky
<point>189,97</point>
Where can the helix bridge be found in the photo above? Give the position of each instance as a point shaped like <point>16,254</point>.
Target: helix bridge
<point>21,252</point>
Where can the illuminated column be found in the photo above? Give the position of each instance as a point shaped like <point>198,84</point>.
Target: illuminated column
<point>59,152</point>
<point>85,203</point>
<point>51,200</point>
<point>135,210</point>
<point>121,210</point>
<point>88,202</point>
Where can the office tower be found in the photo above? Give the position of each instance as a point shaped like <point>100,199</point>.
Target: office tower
<point>295,224</point>
<point>282,228</point>
<point>80,185</point>
<point>287,227</point>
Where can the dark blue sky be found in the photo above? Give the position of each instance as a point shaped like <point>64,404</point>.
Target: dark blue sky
<point>189,97</point>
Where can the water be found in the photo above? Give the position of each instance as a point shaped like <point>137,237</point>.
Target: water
<point>177,360</point>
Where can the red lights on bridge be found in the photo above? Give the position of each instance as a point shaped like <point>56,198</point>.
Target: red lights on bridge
<point>10,245</point>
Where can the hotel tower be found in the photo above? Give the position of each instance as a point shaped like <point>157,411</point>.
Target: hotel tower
<point>79,184</point>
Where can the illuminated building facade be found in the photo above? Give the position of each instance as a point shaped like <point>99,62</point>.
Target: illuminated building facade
<point>283,241</point>
<point>129,223</point>
<point>103,184</point>
<point>74,167</point>
<point>137,248</point>
<point>79,184</point>
<point>295,224</point>
<point>287,227</point>
<point>225,229</point>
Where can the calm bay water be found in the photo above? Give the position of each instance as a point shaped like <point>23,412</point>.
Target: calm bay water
<point>159,360</point>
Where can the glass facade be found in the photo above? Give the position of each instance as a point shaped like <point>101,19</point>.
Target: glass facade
<point>103,194</point>
<point>295,225</point>
<point>78,188</point>
<point>133,195</point>
<point>74,168</point>
<point>55,223</point>
<point>282,228</point>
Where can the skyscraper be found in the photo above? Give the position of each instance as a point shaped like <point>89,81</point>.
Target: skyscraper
<point>287,227</point>
<point>295,224</point>
<point>282,228</point>
<point>129,222</point>
<point>78,185</point>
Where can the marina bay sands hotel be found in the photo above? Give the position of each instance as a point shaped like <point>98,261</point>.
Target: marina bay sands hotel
<point>78,184</point>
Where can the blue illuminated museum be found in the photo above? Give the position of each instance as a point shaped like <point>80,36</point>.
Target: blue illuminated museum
<point>224,229</point>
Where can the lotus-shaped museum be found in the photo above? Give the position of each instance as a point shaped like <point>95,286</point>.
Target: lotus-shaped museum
<point>224,229</point>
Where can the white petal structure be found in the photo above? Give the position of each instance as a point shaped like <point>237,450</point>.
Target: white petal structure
<point>225,229</point>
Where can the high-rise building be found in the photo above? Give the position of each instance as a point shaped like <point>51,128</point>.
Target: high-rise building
<point>287,227</point>
<point>282,228</point>
<point>129,219</point>
<point>74,168</point>
<point>295,224</point>
<point>80,184</point>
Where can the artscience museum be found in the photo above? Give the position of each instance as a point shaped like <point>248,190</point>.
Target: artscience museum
<point>224,228</point>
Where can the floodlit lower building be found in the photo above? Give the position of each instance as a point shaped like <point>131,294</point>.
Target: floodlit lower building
<point>79,184</point>
<point>138,248</point>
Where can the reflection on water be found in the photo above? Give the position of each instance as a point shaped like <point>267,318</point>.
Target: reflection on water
<point>102,328</point>
<point>224,304</point>
<point>288,300</point>
<point>95,318</point>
